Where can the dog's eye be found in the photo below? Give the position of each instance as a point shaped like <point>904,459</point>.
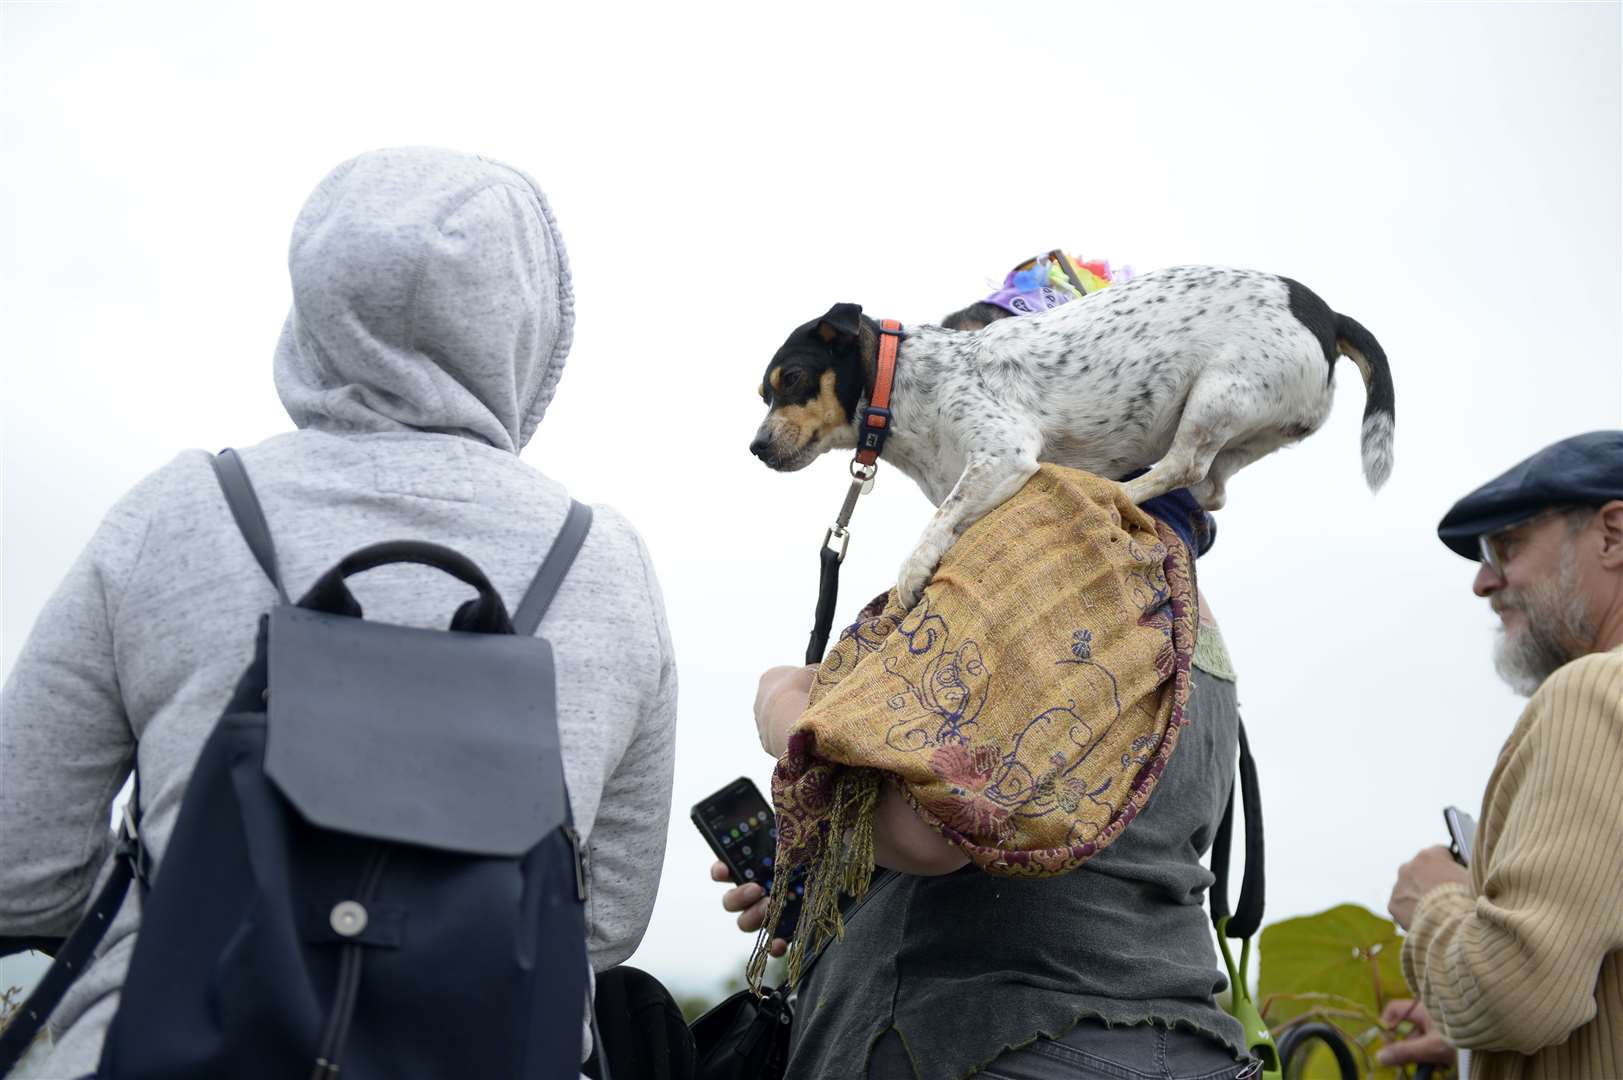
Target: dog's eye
<point>790,380</point>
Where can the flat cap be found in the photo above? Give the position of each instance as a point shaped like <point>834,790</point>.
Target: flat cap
<point>1583,470</point>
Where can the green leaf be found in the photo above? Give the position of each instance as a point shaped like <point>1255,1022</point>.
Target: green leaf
<point>1348,952</point>
<point>1341,966</point>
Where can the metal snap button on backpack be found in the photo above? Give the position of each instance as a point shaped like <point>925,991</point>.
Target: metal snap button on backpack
<point>348,918</point>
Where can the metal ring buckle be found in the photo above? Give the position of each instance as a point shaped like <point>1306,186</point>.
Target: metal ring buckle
<point>845,539</point>
<point>863,472</point>
<point>128,823</point>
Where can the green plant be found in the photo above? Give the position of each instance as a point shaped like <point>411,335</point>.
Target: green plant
<point>1341,967</point>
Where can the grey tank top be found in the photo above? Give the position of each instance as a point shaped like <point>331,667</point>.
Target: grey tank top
<point>966,965</point>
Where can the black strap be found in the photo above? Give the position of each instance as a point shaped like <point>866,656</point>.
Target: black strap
<point>1299,1038</point>
<point>245,508</point>
<point>72,958</point>
<point>828,592</point>
<point>527,619</point>
<point>1247,917</point>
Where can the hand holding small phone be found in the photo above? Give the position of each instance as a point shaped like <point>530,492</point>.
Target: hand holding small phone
<point>741,829</point>
<point>749,903</point>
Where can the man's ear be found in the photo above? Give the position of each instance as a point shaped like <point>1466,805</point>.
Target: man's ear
<point>842,323</point>
<point>1609,516</point>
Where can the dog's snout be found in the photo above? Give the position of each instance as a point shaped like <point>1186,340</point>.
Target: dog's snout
<point>758,445</point>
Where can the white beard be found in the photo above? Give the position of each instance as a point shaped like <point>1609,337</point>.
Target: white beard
<point>1555,634</point>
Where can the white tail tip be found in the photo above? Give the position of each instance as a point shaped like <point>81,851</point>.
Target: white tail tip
<point>1377,449</point>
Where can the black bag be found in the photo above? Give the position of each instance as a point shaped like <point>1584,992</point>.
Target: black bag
<point>639,1028</point>
<point>374,866</point>
<point>745,1037</point>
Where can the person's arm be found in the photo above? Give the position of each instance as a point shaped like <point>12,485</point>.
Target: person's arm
<point>65,742</point>
<point>902,841</point>
<point>1514,968</point>
<point>635,811</point>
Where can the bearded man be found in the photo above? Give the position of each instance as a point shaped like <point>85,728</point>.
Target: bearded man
<point>1520,957</point>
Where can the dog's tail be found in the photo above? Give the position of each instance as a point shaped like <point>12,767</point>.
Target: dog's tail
<point>1360,346</point>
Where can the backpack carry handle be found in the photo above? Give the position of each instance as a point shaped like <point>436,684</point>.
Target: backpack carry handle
<point>485,615</point>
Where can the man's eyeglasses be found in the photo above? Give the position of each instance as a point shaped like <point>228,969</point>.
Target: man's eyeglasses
<point>1498,546</point>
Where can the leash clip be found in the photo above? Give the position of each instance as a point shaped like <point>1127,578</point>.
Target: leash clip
<point>865,473</point>
<point>844,536</point>
<point>129,845</point>
<point>130,832</point>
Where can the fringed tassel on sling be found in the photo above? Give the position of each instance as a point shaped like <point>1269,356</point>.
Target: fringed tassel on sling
<point>840,869</point>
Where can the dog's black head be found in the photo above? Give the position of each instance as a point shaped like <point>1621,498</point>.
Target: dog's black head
<point>812,388</point>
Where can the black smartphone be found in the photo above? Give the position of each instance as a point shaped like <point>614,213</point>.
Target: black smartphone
<point>1461,833</point>
<point>741,829</point>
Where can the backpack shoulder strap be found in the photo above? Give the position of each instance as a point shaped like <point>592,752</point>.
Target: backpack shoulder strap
<point>245,509</point>
<point>527,619</point>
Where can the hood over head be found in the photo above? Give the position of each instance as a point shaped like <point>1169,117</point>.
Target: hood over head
<point>431,292</point>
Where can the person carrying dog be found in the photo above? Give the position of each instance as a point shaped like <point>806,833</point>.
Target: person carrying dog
<point>1043,915</point>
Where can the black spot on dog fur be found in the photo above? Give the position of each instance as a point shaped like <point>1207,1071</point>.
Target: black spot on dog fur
<point>1314,314</point>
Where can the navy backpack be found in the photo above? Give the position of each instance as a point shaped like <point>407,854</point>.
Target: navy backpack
<point>375,870</point>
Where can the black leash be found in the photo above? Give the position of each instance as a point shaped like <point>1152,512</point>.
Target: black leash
<point>1240,925</point>
<point>1246,918</point>
<point>872,431</point>
<point>830,558</point>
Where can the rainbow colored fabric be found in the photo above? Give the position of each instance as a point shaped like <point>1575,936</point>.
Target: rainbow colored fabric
<point>1052,279</point>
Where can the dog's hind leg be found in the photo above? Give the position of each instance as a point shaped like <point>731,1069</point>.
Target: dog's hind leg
<point>989,477</point>
<point>1211,492</point>
<point>1208,425</point>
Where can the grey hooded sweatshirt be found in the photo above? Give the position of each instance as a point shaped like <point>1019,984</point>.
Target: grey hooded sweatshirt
<point>431,316</point>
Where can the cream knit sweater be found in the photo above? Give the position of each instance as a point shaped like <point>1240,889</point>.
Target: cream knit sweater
<point>1524,967</point>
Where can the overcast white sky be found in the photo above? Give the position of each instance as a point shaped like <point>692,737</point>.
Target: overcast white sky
<point>1450,175</point>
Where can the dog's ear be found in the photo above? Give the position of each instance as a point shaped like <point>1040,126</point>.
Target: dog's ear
<point>842,323</point>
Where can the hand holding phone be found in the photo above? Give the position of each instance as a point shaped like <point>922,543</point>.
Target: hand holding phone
<point>741,829</point>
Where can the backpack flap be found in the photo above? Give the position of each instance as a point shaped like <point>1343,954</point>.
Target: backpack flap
<point>442,739</point>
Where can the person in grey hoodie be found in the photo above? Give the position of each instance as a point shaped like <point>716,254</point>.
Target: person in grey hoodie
<point>432,311</point>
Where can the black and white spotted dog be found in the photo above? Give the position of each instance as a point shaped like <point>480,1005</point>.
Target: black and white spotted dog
<point>1192,372</point>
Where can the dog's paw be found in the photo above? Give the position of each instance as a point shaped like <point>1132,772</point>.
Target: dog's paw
<point>915,575</point>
